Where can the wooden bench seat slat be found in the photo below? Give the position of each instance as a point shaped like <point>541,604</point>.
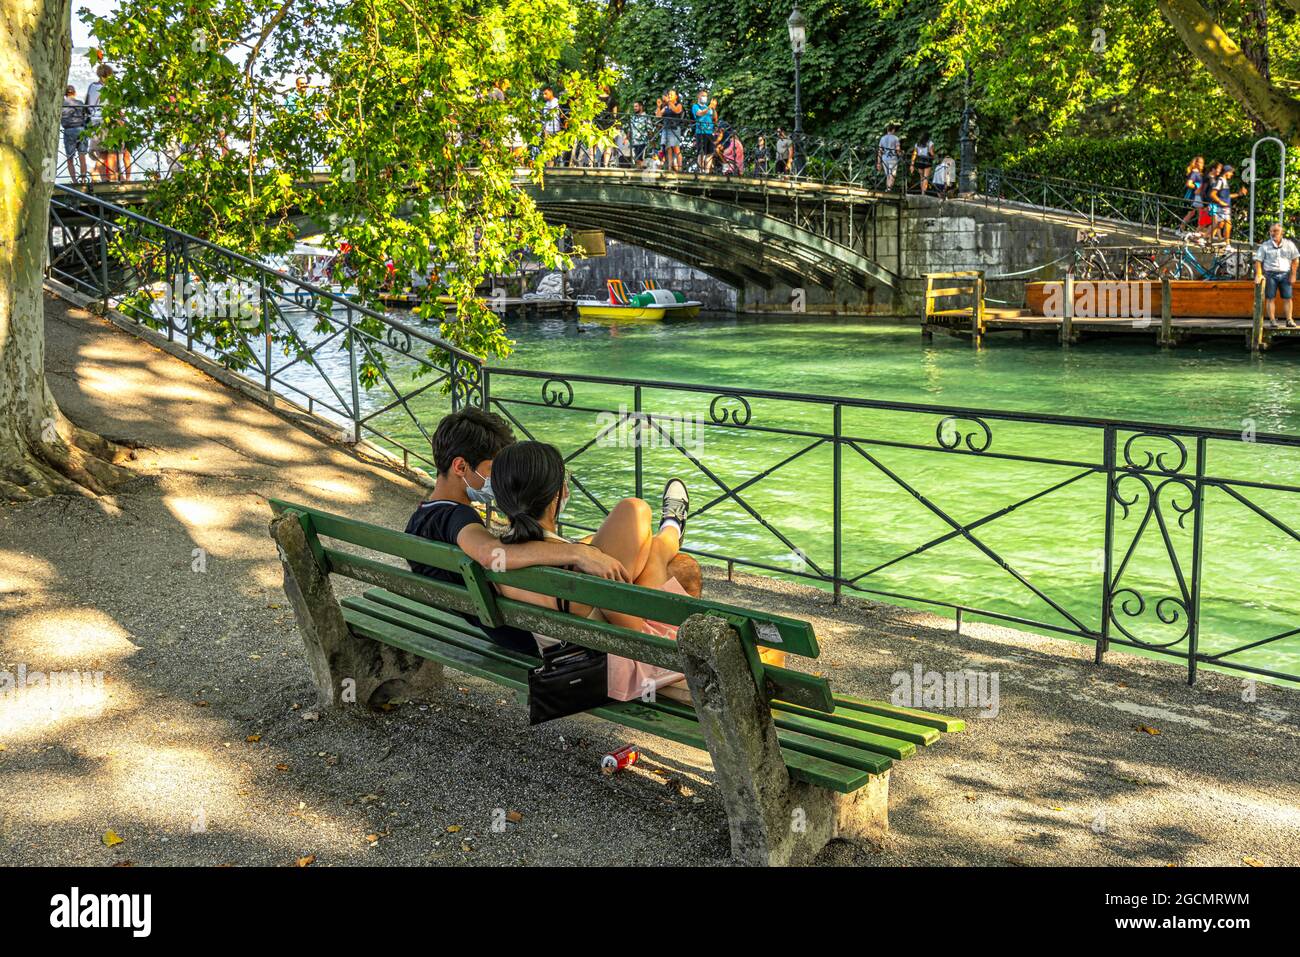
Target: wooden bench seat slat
<point>895,748</point>
<point>777,631</point>
<point>814,764</point>
<point>420,610</point>
<point>454,656</point>
<point>441,631</point>
<point>866,721</point>
<point>840,749</point>
<point>912,715</point>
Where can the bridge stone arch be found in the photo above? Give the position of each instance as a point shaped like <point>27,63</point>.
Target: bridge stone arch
<point>737,244</point>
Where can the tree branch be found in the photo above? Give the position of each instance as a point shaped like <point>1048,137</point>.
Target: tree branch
<point>1231,68</point>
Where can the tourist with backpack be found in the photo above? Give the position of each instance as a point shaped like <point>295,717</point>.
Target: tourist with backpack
<point>73,124</point>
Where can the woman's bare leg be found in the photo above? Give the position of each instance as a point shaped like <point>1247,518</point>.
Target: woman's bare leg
<point>663,549</point>
<point>626,534</point>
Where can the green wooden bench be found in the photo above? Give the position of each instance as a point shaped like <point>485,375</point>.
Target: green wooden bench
<point>796,764</point>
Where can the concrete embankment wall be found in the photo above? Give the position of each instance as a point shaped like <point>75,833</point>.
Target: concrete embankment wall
<point>938,236</point>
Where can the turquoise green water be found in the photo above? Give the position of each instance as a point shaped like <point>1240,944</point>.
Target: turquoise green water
<point>1055,543</point>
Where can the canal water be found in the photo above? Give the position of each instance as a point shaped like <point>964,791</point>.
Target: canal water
<point>1041,561</point>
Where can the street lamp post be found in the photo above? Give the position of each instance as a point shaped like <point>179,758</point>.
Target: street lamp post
<point>967,180</point>
<point>798,37</point>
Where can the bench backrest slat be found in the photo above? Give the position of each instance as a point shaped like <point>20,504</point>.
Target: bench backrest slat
<point>776,631</point>
<point>599,635</point>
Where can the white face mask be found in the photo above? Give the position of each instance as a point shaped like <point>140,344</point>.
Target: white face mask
<point>482,495</point>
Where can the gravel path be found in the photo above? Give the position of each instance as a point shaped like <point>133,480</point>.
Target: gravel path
<point>202,745</point>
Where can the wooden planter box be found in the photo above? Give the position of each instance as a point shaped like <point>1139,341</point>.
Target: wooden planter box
<point>1188,298</point>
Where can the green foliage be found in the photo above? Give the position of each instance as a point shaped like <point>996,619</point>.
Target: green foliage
<point>407,150</point>
<point>1154,165</point>
<point>857,73</point>
<point>1064,68</point>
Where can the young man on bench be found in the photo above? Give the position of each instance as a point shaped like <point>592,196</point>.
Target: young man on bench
<point>464,445</point>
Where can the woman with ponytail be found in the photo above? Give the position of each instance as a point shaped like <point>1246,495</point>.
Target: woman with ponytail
<point>531,489</point>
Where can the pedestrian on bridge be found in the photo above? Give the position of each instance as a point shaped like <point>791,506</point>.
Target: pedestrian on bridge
<point>670,109</point>
<point>888,152</point>
<point>73,123</point>
<point>1275,269</point>
<point>704,113</point>
<point>639,131</point>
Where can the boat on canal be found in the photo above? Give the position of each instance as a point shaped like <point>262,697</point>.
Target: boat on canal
<point>650,305</point>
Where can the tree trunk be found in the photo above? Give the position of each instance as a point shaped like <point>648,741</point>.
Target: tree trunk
<point>1233,70</point>
<point>41,452</point>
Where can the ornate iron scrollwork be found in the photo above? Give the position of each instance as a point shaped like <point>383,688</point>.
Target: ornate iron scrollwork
<point>398,339</point>
<point>1170,610</point>
<point>739,414</point>
<point>561,397</point>
<point>950,436</point>
<point>1155,461</point>
<point>467,382</point>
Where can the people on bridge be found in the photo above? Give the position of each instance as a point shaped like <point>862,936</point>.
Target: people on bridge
<point>111,165</point>
<point>670,109</point>
<point>945,175</point>
<point>73,123</point>
<point>888,152</point>
<point>1275,269</point>
<point>923,160</point>
<point>784,153</point>
<point>704,113</point>
<point>1221,196</point>
<point>638,129</point>
<point>760,156</point>
<point>1194,188</point>
<point>552,121</point>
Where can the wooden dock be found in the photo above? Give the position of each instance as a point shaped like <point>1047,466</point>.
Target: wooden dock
<point>1168,312</point>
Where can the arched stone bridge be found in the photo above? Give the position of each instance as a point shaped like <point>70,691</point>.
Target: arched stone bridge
<point>743,231</point>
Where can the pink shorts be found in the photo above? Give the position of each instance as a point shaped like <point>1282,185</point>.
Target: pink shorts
<point>628,679</point>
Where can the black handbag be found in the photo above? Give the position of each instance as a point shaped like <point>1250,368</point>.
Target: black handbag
<point>569,680</point>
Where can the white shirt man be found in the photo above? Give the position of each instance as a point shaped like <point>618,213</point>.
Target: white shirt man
<point>1275,268</point>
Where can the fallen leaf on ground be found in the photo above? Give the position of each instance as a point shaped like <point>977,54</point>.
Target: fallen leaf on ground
<point>307,861</point>
<point>282,767</point>
<point>452,829</point>
<point>514,817</point>
<point>1253,862</point>
<point>110,838</point>
<point>310,716</point>
<point>372,838</point>
<point>200,704</point>
<point>1148,729</point>
<point>253,738</point>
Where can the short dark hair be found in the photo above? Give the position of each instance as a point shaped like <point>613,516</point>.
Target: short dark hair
<point>470,434</point>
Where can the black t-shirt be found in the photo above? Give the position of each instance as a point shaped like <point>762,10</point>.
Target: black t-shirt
<point>442,520</point>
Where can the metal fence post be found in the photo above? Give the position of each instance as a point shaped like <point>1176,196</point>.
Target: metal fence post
<point>103,261</point>
<point>1198,530</point>
<point>1108,548</point>
<point>637,443</point>
<point>837,514</point>
<point>352,374</point>
<point>266,331</point>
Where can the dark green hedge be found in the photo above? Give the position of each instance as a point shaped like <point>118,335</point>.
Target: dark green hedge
<point>1153,165</point>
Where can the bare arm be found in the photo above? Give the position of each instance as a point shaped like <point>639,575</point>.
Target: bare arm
<point>486,549</point>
